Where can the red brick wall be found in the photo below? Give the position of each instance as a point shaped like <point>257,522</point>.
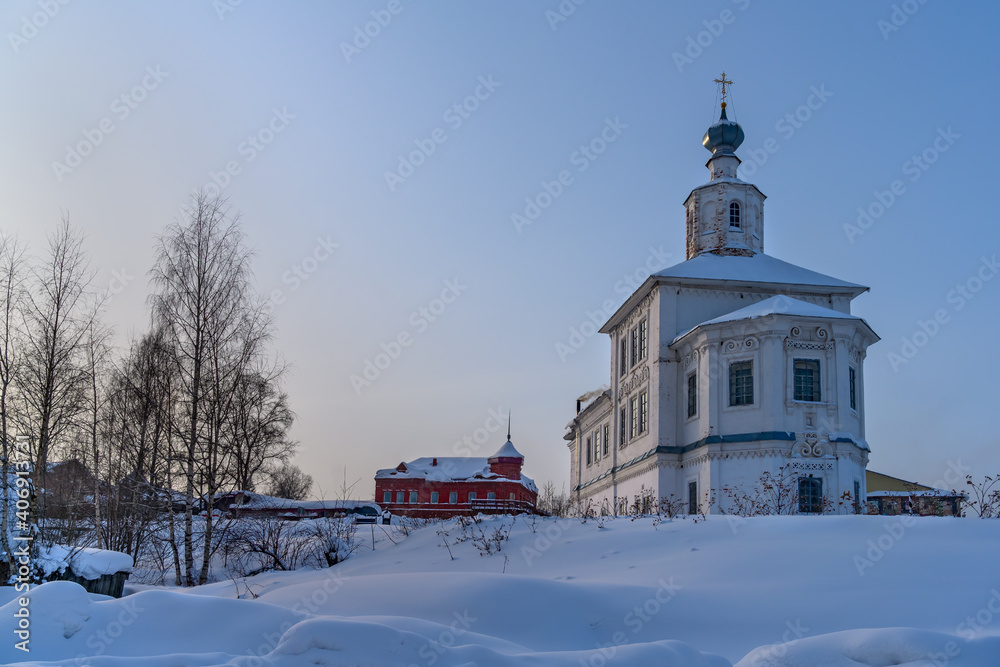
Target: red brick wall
<point>524,499</point>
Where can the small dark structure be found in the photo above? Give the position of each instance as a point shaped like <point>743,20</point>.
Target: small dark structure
<point>106,584</point>
<point>893,496</point>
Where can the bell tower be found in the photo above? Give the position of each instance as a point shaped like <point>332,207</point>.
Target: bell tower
<point>726,215</point>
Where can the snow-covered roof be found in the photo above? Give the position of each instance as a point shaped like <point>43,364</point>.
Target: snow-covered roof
<point>759,268</point>
<point>258,501</point>
<point>507,451</point>
<point>933,493</point>
<point>775,305</point>
<point>782,305</point>
<point>450,469</point>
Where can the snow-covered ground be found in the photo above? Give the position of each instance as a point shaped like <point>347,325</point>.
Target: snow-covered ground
<point>801,591</point>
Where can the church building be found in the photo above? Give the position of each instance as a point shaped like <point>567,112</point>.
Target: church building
<point>727,366</point>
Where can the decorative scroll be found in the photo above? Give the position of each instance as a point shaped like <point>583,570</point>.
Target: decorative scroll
<point>746,345</point>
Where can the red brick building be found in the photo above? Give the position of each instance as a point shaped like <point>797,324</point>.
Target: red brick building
<point>442,487</point>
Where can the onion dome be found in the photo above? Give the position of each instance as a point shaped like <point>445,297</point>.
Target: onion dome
<point>723,137</point>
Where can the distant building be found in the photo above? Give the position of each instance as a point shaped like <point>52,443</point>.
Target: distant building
<point>246,503</point>
<point>443,487</point>
<point>891,495</point>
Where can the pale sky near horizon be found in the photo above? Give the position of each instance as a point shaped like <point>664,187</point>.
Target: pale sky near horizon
<point>298,116</point>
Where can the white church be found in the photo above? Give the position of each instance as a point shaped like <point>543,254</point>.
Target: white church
<point>726,366</point>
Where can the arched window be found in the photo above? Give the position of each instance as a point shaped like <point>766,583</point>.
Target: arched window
<point>734,215</point>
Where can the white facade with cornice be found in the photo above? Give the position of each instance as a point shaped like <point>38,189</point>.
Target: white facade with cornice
<point>727,366</point>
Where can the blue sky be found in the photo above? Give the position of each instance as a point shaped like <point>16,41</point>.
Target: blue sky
<point>308,128</point>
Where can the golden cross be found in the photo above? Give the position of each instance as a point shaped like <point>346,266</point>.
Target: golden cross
<point>724,82</point>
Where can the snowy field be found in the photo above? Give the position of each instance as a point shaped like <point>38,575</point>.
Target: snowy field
<point>803,591</point>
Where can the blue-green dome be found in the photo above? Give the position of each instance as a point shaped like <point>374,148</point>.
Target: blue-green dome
<point>726,135</point>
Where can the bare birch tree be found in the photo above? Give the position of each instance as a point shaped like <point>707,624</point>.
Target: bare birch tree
<point>12,274</point>
<point>218,330</point>
<point>58,314</point>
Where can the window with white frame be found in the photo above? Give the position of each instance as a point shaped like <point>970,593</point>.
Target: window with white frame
<point>491,496</point>
<point>453,497</point>
<point>633,423</point>
<point>597,446</point>
<point>692,394</point>
<point>622,425</point>
<point>643,421</point>
<point>741,383</point>
<point>734,215</point>
<point>387,497</point>
<point>434,497</point>
<point>606,438</point>
<point>643,339</point>
<point>852,378</point>
<point>633,337</point>
<point>590,452</point>
<point>399,496</point>
<point>806,379</point>
<point>413,496</point>
<point>638,338</point>
<point>472,496</point>
<point>623,355</point>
